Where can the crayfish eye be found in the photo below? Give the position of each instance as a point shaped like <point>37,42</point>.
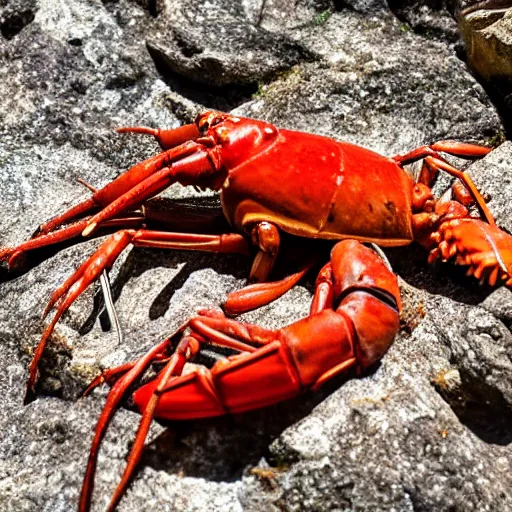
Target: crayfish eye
<point>206,120</point>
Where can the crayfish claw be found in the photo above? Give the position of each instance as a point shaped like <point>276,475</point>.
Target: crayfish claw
<point>484,248</point>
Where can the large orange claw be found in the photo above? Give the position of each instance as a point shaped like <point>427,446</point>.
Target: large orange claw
<point>486,250</point>
<point>353,326</point>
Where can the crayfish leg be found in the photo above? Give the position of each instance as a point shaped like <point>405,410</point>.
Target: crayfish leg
<point>104,257</point>
<point>113,399</point>
<point>256,295</point>
<point>434,162</point>
<point>79,210</point>
<point>460,149</point>
<point>441,165</point>
<point>185,351</point>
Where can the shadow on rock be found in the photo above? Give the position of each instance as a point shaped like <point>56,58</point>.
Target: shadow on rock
<point>445,279</point>
<point>481,408</point>
<point>140,261</point>
<point>220,449</point>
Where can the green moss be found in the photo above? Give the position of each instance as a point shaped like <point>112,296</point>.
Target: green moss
<point>497,139</point>
<point>321,18</point>
<point>288,73</point>
<point>260,92</point>
<point>265,88</point>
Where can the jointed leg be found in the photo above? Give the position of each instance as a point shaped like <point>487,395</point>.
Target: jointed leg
<point>185,351</point>
<point>105,256</point>
<point>259,294</point>
<point>231,333</point>
<point>114,398</point>
<point>324,293</point>
<point>265,236</point>
<point>434,163</point>
<point>459,149</point>
<point>439,164</point>
<point>112,375</point>
<point>185,163</point>
<point>204,329</point>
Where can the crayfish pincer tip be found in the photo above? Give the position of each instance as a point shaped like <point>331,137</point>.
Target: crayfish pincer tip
<point>89,229</point>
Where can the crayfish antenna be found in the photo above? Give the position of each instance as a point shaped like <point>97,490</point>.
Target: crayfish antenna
<point>115,396</point>
<point>186,350</point>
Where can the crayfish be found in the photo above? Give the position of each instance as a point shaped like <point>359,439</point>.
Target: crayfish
<point>274,183</point>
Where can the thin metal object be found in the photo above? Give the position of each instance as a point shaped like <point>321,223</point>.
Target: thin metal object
<point>382,256</point>
<point>109,305</point>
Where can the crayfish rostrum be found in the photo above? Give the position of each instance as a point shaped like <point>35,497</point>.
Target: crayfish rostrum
<point>272,182</point>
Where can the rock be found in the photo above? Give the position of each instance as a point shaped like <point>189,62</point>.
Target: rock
<point>428,428</point>
<point>486,29</point>
<point>389,100</point>
<point>239,51</point>
<point>493,177</point>
<point>15,16</point>
<point>432,19</point>
<point>487,36</point>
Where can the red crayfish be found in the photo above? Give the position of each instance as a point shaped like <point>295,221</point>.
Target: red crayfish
<point>273,181</point>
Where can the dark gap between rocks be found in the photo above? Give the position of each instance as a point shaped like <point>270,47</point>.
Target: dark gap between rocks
<point>408,13</point>
<point>499,91</point>
<point>223,98</point>
<point>151,6</point>
<point>446,279</point>
<point>56,357</point>
<point>15,22</point>
<point>480,408</point>
<point>188,48</point>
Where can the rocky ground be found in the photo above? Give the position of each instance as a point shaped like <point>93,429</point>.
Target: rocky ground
<point>429,429</point>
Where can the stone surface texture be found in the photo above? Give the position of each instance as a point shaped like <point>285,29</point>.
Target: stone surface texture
<point>428,429</point>
<point>488,36</point>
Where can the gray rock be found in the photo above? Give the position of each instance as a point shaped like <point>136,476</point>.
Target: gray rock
<point>486,31</point>
<point>239,51</point>
<point>428,429</point>
<point>433,19</point>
